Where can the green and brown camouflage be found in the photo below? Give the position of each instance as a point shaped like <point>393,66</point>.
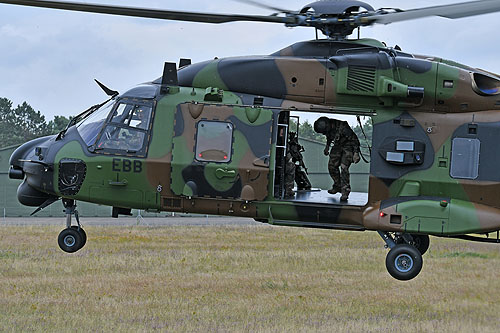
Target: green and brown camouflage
<point>424,102</point>
<point>216,142</point>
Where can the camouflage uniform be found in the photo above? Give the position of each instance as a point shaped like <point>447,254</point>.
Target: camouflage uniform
<point>342,154</point>
<point>289,176</point>
<point>295,149</point>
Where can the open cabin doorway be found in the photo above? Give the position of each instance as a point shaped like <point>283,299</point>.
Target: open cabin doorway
<point>315,162</point>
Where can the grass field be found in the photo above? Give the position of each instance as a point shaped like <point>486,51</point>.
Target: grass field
<point>240,279</point>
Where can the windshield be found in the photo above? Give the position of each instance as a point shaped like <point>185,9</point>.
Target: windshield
<point>89,128</point>
<point>127,128</point>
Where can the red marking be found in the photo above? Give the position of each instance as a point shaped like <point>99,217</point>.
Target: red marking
<point>382,214</point>
<point>200,155</point>
<point>225,157</point>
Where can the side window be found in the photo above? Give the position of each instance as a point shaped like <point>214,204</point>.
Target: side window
<point>465,158</point>
<point>214,140</point>
<point>140,117</point>
<point>127,130</point>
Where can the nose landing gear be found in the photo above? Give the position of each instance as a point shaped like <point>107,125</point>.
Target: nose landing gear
<point>73,238</point>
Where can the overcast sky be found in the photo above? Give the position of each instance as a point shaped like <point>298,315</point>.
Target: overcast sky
<point>49,58</point>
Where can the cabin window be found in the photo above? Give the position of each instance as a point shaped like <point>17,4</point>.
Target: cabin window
<point>127,130</point>
<point>465,158</point>
<point>214,141</point>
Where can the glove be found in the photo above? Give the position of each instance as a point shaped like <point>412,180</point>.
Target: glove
<point>326,152</point>
<point>356,157</point>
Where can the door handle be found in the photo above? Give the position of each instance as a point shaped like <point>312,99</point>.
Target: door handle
<point>118,183</point>
<point>221,173</point>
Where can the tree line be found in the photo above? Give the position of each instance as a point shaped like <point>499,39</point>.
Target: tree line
<point>23,123</point>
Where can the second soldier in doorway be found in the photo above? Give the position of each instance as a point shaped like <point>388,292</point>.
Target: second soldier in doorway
<point>294,163</point>
<point>296,149</point>
<point>345,150</point>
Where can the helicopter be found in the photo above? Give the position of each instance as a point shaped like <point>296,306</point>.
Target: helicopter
<point>212,137</point>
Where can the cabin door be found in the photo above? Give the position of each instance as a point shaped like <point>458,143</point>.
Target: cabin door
<point>221,151</point>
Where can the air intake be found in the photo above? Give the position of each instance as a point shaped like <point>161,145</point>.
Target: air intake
<point>361,78</point>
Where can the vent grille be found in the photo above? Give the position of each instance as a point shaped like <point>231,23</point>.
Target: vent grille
<point>172,202</point>
<point>361,78</point>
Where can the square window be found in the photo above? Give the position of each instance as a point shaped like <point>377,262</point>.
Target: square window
<point>214,141</point>
<point>465,158</point>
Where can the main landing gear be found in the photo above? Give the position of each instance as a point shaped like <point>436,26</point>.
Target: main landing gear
<point>404,260</point>
<point>73,238</point>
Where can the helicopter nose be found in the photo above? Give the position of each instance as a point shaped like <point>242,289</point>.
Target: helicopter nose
<point>22,154</point>
<point>28,163</point>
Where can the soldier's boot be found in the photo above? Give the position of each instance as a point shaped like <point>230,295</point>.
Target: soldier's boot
<point>334,189</point>
<point>344,196</point>
<point>302,180</point>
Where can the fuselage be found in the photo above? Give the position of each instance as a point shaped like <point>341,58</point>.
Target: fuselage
<point>215,143</point>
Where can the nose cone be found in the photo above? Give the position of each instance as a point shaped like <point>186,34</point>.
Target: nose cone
<point>26,152</point>
<point>29,162</point>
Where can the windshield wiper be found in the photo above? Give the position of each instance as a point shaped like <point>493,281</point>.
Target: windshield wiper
<point>89,111</point>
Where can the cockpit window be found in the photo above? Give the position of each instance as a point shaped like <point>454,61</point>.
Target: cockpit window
<point>132,115</point>
<point>89,128</point>
<point>121,138</point>
<point>127,129</point>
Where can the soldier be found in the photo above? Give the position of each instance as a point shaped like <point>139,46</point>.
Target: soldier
<point>296,149</point>
<point>289,176</point>
<point>345,150</point>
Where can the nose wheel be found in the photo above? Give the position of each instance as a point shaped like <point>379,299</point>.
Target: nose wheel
<point>73,238</point>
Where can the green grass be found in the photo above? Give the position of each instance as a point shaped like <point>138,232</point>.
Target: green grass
<point>247,279</point>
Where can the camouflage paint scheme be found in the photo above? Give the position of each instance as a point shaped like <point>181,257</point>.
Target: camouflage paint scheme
<point>359,77</point>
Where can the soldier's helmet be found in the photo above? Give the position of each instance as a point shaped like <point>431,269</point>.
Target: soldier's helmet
<point>321,125</point>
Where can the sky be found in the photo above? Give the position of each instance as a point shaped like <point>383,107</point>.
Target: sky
<point>49,58</point>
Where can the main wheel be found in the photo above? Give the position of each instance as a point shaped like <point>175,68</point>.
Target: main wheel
<point>69,240</point>
<point>403,262</point>
<point>421,242</point>
<point>82,233</point>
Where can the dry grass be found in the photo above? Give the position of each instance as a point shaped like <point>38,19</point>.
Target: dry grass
<point>240,279</point>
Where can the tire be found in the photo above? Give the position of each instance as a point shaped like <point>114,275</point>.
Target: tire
<point>69,240</point>
<point>403,262</point>
<point>421,242</point>
<point>83,235</point>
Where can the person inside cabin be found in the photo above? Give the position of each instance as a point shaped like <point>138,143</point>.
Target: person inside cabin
<point>140,117</point>
<point>289,176</point>
<point>344,151</point>
<point>296,150</point>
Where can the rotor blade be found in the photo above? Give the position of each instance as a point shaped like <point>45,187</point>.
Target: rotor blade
<point>148,12</point>
<point>454,11</point>
<point>263,5</point>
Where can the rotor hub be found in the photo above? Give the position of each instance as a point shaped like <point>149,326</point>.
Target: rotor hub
<point>333,17</point>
